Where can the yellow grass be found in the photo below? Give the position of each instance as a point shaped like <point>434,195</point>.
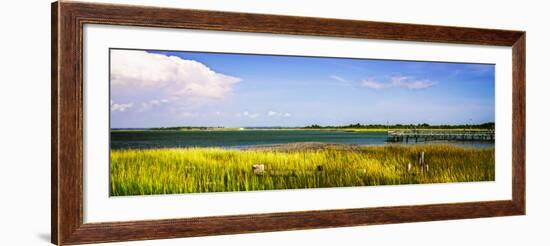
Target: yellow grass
<point>190,170</point>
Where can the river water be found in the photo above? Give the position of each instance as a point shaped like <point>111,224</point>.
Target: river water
<point>138,139</point>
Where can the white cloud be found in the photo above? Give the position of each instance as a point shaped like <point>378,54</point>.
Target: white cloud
<point>249,115</point>
<point>277,114</point>
<point>372,84</point>
<point>411,83</point>
<point>153,103</point>
<point>399,82</point>
<point>168,76</point>
<point>120,107</point>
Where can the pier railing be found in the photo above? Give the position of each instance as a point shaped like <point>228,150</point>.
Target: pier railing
<point>417,135</point>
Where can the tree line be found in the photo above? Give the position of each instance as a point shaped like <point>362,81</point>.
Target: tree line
<point>488,125</point>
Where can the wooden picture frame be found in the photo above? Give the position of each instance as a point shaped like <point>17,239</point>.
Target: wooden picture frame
<point>68,19</point>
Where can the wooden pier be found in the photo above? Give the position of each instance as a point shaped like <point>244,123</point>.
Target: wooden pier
<point>424,135</point>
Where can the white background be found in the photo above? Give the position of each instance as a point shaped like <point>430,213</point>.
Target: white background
<point>98,207</point>
<point>25,104</point>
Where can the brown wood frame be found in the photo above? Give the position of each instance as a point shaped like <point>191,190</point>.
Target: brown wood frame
<point>68,19</point>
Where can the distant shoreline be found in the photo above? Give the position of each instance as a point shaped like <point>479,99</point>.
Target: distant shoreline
<point>351,127</point>
<point>295,129</point>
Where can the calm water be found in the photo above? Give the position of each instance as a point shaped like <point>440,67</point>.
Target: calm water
<point>247,138</point>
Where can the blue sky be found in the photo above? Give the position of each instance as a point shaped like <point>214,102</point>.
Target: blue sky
<point>153,89</point>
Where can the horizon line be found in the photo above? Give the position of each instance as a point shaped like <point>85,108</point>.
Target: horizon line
<point>310,126</point>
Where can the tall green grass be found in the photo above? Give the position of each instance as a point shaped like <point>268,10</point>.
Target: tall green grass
<point>190,170</point>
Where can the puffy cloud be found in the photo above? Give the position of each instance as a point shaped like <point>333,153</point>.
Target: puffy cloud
<point>166,76</point>
<point>399,82</point>
<point>120,107</point>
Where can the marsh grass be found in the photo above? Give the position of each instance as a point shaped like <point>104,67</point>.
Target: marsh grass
<point>192,170</point>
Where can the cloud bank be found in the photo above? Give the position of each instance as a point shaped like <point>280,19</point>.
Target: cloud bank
<point>150,80</point>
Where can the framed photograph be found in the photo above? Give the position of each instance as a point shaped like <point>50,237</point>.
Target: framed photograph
<point>177,123</point>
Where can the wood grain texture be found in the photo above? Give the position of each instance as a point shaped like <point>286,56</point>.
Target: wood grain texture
<point>147,230</point>
<point>518,123</point>
<point>68,19</point>
<point>261,23</point>
<point>68,139</point>
<point>54,125</point>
